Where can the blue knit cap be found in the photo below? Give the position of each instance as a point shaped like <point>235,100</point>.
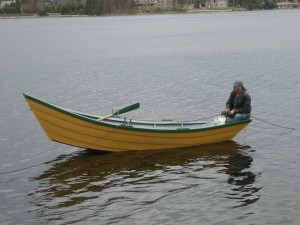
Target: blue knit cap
<point>237,83</point>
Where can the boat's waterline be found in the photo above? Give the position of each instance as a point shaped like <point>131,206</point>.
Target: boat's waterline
<point>70,128</point>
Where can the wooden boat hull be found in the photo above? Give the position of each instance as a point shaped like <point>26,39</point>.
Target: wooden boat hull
<point>74,129</point>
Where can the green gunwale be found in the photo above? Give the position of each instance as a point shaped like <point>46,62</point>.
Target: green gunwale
<point>56,108</point>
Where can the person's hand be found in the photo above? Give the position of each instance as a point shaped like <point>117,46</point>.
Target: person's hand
<point>227,111</point>
<point>231,112</point>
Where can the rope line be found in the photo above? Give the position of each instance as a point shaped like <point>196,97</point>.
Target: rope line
<point>204,118</point>
<point>290,128</point>
<point>23,168</point>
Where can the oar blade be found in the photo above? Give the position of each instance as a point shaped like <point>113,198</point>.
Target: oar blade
<point>124,110</point>
<point>128,108</point>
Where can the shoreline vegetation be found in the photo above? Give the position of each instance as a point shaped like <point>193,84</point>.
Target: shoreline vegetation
<point>19,9</point>
<point>37,15</point>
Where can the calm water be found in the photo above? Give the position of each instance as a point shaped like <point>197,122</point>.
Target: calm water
<point>177,66</point>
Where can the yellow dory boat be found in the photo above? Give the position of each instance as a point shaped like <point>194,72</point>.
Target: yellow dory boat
<point>118,134</point>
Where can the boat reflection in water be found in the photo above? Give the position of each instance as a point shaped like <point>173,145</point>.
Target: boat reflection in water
<point>124,185</point>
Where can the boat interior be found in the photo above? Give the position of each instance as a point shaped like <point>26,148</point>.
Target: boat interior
<point>166,124</point>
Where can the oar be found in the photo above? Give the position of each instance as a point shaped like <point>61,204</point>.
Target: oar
<point>124,110</point>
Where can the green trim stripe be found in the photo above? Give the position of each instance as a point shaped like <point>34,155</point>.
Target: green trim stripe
<point>131,128</point>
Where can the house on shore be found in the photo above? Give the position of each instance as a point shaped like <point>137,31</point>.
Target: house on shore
<point>286,4</point>
<point>164,4</point>
<point>213,3</point>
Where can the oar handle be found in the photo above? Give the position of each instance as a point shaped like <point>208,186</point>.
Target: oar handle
<point>104,117</point>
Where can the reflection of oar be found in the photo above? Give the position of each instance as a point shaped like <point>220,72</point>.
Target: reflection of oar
<point>124,110</point>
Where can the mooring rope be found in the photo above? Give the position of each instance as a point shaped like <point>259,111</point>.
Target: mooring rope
<point>29,167</point>
<point>36,165</point>
<point>204,118</point>
<point>23,168</point>
<point>289,128</point>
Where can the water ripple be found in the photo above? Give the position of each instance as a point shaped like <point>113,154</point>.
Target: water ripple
<point>119,186</point>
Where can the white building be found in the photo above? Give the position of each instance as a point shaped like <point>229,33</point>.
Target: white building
<point>216,3</point>
<point>4,3</point>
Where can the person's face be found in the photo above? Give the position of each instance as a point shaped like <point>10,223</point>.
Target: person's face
<point>237,89</point>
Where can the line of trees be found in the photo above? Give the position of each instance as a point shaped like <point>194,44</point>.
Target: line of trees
<point>100,7</point>
<point>66,9</point>
<point>103,7</point>
<point>33,7</point>
<point>92,7</point>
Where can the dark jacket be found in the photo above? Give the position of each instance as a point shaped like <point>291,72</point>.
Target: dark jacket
<point>241,103</point>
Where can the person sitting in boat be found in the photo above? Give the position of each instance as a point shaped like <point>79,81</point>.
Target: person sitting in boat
<point>238,106</point>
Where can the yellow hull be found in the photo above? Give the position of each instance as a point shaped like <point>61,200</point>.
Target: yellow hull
<point>73,129</point>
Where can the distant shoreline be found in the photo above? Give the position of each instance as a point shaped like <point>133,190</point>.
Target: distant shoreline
<point>192,11</point>
<point>52,15</point>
